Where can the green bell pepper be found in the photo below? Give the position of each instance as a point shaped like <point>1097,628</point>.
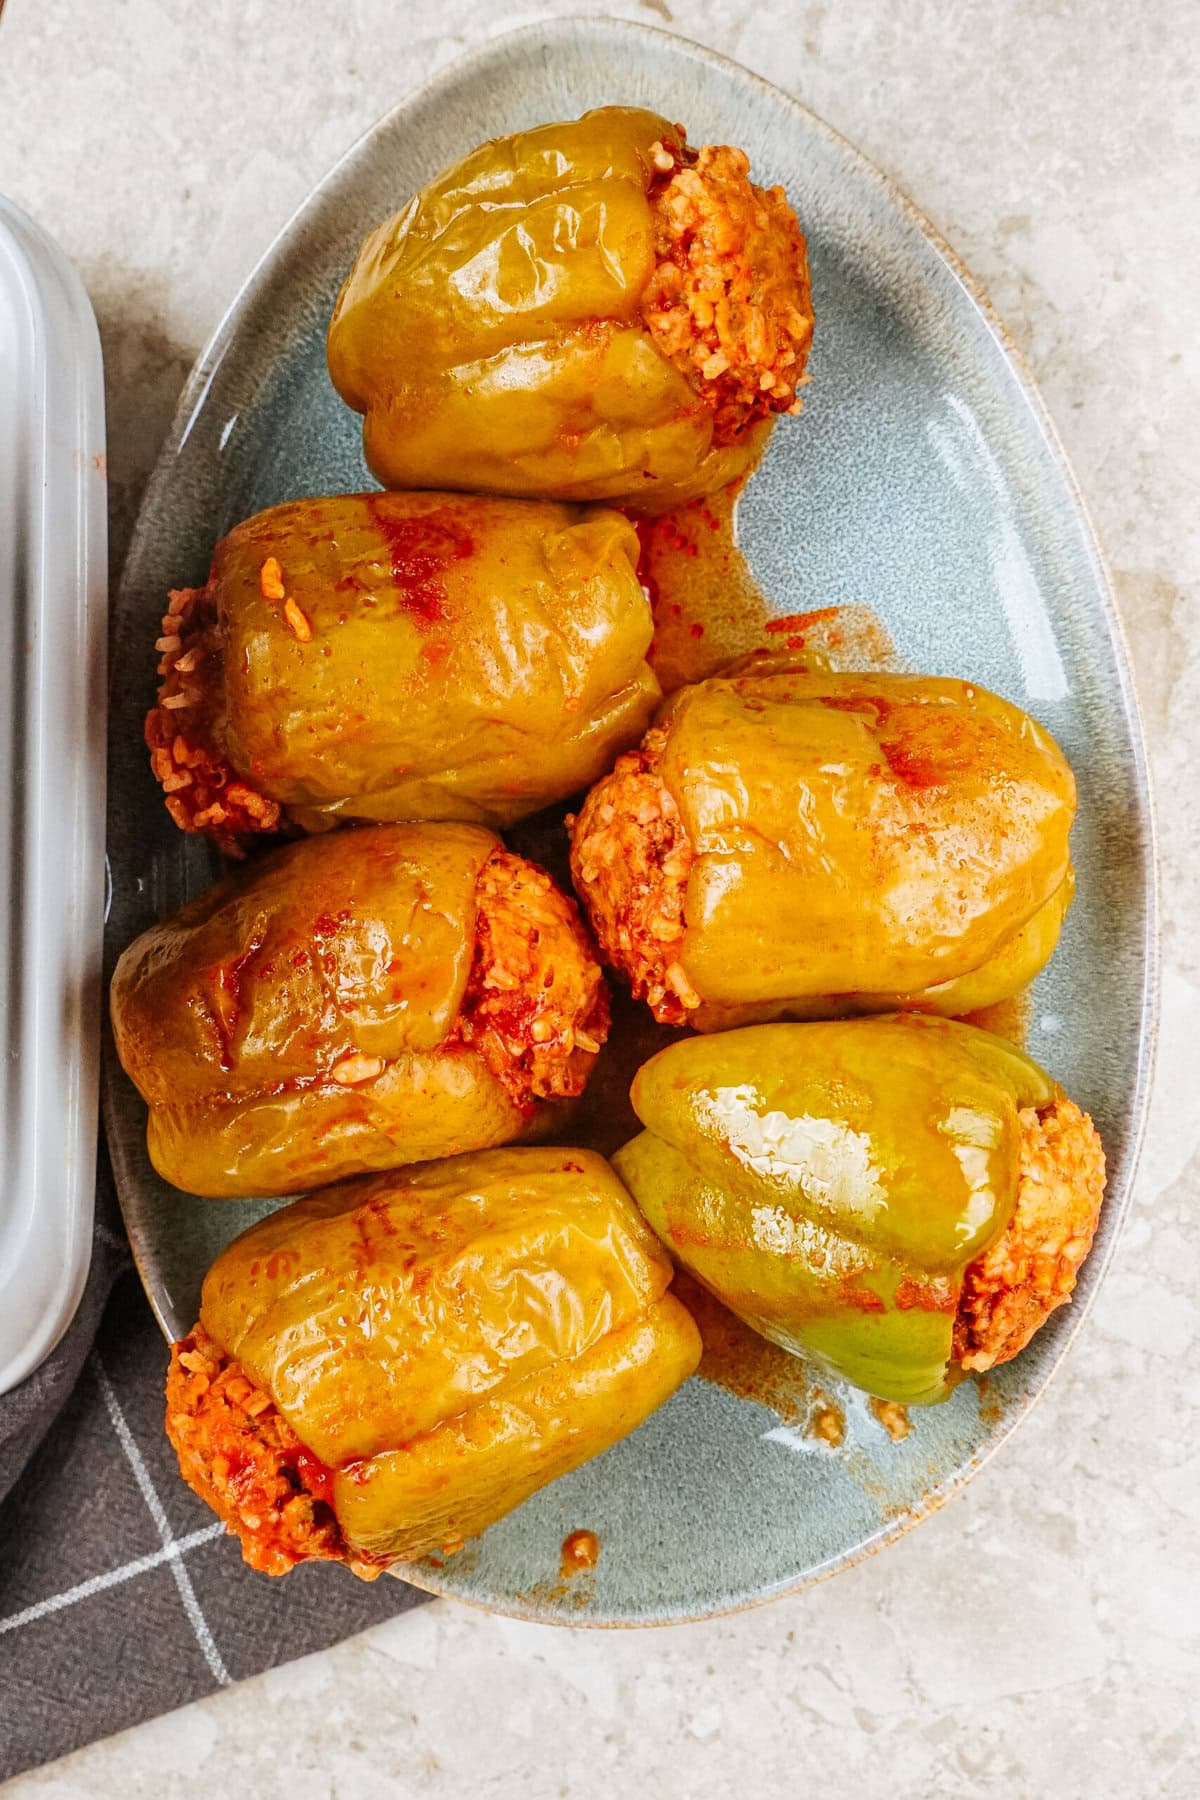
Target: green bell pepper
<point>831,1182</point>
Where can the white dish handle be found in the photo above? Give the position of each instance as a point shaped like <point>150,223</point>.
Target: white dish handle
<point>53,705</point>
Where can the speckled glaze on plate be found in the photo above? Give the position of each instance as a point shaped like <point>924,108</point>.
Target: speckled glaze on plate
<point>923,480</point>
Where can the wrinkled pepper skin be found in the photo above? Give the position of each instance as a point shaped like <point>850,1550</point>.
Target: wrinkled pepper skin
<point>491,334</point>
<point>447,1339</point>
<point>469,658</point>
<point>231,1016</point>
<point>831,1182</point>
<point>864,843</point>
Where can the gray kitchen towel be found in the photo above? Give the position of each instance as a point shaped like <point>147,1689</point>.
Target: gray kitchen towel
<point>120,1595</point>
<point>27,1410</point>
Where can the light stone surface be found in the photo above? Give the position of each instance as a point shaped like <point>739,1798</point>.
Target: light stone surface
<point>1039,1636</point>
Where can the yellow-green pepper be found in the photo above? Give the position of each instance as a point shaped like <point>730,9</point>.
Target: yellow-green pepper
<point>492,332</point>
<point>296,1023</point>
<point>447,1339</point>
<point>405,656</point>
<point>831,1183</point>
<point>840,843</point>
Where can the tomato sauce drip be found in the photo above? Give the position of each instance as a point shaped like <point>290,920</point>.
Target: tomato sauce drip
<point>708,608</point>
<point>814,631</point>
<point>706,605</point>
<point>315,1476</point>
<point>915,768</point>
<point>737,1359</point>
<point>421,549</point>
<point>580,1550</point>
<point>227,998</point>
<point>939,1294</point>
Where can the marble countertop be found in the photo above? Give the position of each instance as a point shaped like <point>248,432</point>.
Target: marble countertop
<point>1039,1635</point>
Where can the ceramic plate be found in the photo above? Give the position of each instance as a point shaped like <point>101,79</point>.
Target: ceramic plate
<point>923,480</point>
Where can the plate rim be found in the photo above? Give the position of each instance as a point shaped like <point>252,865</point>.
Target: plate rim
<point>569,29</point>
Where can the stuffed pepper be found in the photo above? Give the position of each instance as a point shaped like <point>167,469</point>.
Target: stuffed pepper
<point>383,1369</point>
<point>355,1002</point>
<point>591,310</point>
<point>903,1199</point>
<point>400,656</point>
<point>807,844</point>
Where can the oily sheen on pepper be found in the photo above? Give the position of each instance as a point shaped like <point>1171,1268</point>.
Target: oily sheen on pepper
<point>444,1340</point>
<point>512,329</point>
<point>841,1186</point>
<point>403,656</point>
<point>304,1020</point>
<point>834,843</point>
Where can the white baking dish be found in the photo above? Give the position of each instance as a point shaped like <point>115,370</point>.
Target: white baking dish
<point>53,690</point>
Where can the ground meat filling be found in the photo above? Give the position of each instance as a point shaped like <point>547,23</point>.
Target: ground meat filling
<point>237,1451</point>
<point>1012,1289</point>
<point>203,790</point>
<point>729,301</point>
<point>630,858</point>
<point>536,1008</point>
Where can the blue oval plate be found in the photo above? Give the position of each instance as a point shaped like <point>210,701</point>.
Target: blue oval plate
<point>923,480</point>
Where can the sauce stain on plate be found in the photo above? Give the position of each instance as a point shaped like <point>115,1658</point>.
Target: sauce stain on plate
<point>708,606</point>
<point>892,1416</point>
<point>580,1550</point>
<point>737,1359</point>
